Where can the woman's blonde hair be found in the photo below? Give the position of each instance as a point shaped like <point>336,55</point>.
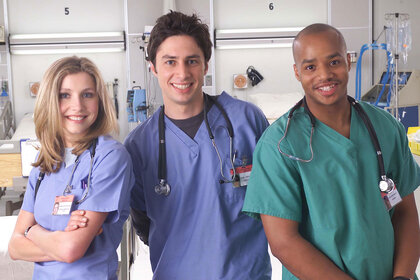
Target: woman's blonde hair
<point>47,116</point>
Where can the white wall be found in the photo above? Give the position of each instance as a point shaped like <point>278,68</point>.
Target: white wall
<point>357,32</point>
<point>256,14</point>
<point>48,16</point>
<point>276,64</point>
<point>199,7</point>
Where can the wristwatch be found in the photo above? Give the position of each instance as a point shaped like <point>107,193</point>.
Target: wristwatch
<point>27,231</point>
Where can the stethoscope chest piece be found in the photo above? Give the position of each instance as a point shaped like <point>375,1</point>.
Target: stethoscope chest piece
<point>163,188</point>
<point>386,185</point>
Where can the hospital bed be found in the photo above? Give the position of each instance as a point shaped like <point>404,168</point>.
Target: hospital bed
<point>16,156</point>
<point>274,105</point>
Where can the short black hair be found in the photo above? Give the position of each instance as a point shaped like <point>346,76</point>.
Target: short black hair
<point>176,23</point>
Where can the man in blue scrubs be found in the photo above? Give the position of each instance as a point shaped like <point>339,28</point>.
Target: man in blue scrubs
<point>187,199</point>
<point>324,214</point>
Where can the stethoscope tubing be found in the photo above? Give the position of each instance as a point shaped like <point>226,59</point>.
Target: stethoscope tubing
<point>163,186</point>
<point>365,119</point>
<point>68,187</point>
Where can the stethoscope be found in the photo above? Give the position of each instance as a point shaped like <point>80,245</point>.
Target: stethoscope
<point>163,188</point>
<point>385,184</point>
<point>69,187</point>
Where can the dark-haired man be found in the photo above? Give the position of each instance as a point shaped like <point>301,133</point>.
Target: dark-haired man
<point>192,160</point>
<point>315,184</point>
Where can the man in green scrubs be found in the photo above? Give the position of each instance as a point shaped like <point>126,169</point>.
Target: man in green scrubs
<point>326,218</point>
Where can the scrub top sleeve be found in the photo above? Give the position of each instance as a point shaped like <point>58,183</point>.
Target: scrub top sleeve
<point>112,180</point>
<point>274,187</point>
<point>29,199</point>
<point>137,200</point>
<point>261,121</point>
<point>408,171</point>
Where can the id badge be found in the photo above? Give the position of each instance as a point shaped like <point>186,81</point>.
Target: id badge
<point>243,173</point>
<point>391,198</point>
<point>62,205</point>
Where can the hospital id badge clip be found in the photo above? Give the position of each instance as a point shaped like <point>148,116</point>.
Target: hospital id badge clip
<point>63,205</point>
<point>391,196</point>
<point>243,172</point>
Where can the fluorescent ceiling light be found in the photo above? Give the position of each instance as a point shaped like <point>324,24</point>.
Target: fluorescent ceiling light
<point>281,32</point>
<point>254,43</point>
<point>90,42</point>
<point>253,38</point>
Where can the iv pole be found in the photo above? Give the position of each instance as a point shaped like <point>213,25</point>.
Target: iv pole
<point>396,57</point>
<point>396,17</point>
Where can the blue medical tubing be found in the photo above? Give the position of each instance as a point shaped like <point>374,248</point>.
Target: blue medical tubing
<point>385,79</point>
<point>364,48</point>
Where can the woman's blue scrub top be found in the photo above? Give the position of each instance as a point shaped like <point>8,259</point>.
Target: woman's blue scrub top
<point>111,183</point>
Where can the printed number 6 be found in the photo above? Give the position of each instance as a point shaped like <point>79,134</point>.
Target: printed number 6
<point>271,6</point>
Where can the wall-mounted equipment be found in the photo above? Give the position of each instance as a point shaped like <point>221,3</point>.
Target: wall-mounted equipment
<point>254,76</point>
<point>60,43</point>
<point>256,38</point>
<point>136,105</point>
<point>6,117</point>
<point>115,96</point>
<point>33,88</point>
<point>240,81</point>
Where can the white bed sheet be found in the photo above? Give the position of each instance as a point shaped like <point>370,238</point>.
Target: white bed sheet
<point>10,269</point>
<point>26,128</point>
<point>274,105</point>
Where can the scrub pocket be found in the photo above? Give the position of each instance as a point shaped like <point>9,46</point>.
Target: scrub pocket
<point>78,190</point>
<point>228,190</point>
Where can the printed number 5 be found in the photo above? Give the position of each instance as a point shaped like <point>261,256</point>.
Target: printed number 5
<point>66,11</point>
<point>271,6</point>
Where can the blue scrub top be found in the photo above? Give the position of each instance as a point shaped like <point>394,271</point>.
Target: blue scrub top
<point>198,231</point>
<point>111,182</point>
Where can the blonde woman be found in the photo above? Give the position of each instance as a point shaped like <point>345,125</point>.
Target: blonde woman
<point>79,167</point>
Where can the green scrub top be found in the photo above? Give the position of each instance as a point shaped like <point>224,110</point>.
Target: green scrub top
<point>335,197</point>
